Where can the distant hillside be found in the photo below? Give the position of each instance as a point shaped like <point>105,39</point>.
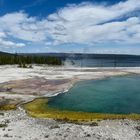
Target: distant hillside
<point>5,53</point>
<point>86,56</point>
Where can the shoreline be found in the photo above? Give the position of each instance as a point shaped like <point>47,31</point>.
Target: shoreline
<point>38,108</point>
<point>67,113</point>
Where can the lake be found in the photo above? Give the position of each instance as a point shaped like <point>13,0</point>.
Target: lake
<point>86,62</point>
<point>116,95</point>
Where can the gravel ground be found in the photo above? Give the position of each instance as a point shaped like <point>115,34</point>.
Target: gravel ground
<point>22,127</point>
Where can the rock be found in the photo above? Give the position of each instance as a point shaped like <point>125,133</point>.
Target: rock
<point>6,135</point>
<point>88,135</point>
<point>94,124</point>
<point>54,126</point>
<point>137,128</point>
<point>46,136</point>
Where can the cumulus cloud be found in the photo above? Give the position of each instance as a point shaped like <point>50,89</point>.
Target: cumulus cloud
<point>2,35</point>
<point>20,26</point>
<point>6,43</point>
<point>85,23</point>
<point>89,23</point>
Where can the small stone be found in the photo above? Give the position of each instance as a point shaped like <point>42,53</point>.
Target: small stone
<point>94,124</point>
<point>46,136</point>
<point>88,135</point>
<point>138,128</point>
<point>54,126</point>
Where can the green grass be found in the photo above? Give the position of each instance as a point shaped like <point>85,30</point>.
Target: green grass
<point>3,125</point>
<point>39,109</point>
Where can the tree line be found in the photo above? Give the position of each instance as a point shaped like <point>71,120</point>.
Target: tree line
<point>20,59</point>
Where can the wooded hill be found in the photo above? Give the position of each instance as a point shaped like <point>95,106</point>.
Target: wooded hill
<point>7,58</point>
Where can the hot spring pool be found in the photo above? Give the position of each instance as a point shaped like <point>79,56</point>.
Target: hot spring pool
<point>115,95</point>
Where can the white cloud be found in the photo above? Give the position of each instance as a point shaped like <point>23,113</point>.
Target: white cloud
<point>89,23</point>
<point>8,44</point>
<point>20,26</point>
<point>86,23</point>
<point>2,34</point>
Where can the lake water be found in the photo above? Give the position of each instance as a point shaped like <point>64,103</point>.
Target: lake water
<point>104,62</point>
<point>118,95</point>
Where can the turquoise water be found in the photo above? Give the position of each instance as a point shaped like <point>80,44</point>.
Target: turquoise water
<point>118,95</point>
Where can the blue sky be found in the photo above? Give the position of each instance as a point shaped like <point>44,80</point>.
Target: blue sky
<point>93,26</point>
<point>42,7</point>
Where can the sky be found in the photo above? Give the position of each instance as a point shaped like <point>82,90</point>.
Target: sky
<point>71,26</point>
